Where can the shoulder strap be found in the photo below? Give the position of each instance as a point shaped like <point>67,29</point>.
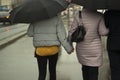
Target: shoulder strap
<point>80,14</point>
<point>80,18</point>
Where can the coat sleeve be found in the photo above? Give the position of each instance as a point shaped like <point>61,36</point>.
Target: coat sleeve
<point>73,27</point>
<point>106,19</point>
<point>30,31</point>
<point>103,31</point>
<point>62,36</point>
<point>74,24</point>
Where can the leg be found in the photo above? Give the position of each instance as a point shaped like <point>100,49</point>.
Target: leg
<point>85,72</point>
<point>90,73</point>
<point>42,66</point>
<point>93,73</point>
<point>114,57</point>
<point>52,66</point>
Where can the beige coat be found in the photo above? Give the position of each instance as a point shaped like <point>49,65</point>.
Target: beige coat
<point>89,52</point>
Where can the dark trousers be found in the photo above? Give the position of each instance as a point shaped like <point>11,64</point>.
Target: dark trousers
<point>89,73</point>
<point>42,66</point>
<point>114,57</point>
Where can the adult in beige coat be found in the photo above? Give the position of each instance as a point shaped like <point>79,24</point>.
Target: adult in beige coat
<point>89,51</point>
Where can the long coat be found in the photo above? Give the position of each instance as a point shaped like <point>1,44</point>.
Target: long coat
<point>112,21</point>
<point>89,51</point>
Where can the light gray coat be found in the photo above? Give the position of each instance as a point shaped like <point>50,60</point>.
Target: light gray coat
<point>48,33</point>
<point>89,52</point>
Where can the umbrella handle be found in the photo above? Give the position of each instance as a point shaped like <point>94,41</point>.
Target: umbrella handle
<point>69,1</point>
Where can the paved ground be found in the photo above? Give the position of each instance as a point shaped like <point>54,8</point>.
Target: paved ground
<point>17,63</point>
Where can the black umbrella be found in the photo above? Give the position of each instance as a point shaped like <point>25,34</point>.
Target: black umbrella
<point>36,10</point>
<point>99,4</point>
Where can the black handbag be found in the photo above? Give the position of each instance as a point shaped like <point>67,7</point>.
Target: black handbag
<point>79,33</point>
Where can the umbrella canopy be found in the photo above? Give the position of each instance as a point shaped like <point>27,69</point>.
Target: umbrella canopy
<point>36,10</point>
<point>99,4</point>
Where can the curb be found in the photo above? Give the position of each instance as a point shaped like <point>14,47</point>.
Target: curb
<point>11,39</point>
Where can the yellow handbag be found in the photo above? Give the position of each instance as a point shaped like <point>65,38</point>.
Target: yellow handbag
<point>47,50</point>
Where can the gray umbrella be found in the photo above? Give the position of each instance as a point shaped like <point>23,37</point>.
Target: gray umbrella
<point>36,10</point>
<point>99,4</point>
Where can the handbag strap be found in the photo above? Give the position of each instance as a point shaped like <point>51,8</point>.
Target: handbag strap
<point>80,22</point>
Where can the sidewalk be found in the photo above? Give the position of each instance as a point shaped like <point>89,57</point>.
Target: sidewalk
<point>11,33</point>
<point>17,62</point>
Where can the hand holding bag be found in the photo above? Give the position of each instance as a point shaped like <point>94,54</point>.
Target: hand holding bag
<point>79,33</point>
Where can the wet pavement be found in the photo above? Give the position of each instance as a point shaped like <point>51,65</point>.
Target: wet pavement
<point>17,62</point>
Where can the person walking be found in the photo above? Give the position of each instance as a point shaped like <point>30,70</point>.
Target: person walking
<point>112,22</point>
<point>89,51</point>
<point>48,35</point>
